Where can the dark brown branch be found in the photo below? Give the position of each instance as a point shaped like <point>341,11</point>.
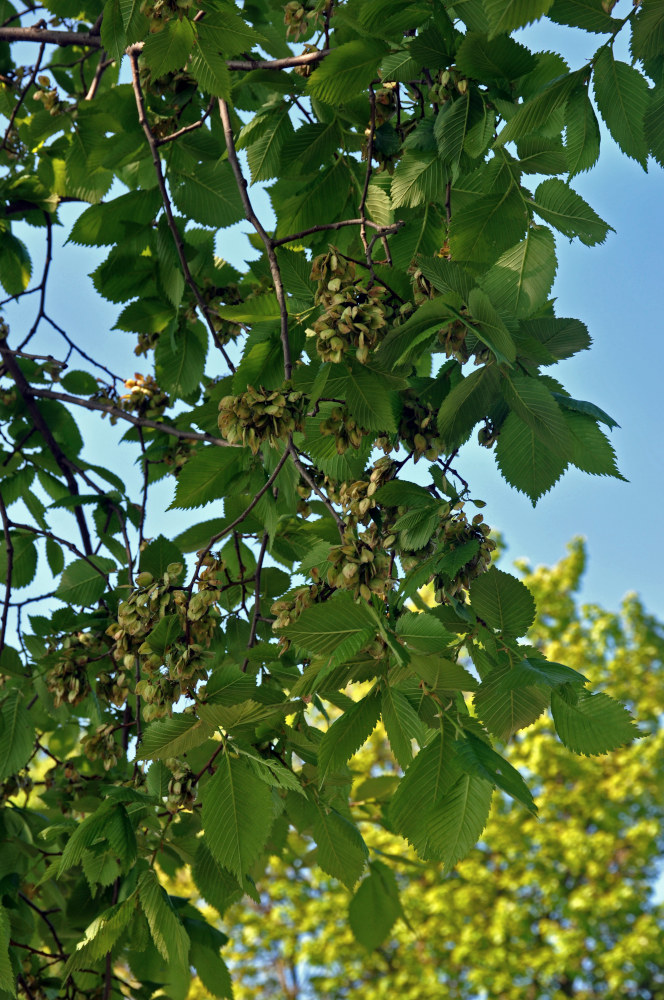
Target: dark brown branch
<point>41,312</point>
<point>238,520</point>
<point>44,917</point>
<point>115,411</point>
<point>304,60</point>
<point>9,548</point>
<point>102,66</point>
<point>40,423</point>
<point>161,181</point>
<point>267,240</point>
<point>324,227</point>
<point>44,533</point>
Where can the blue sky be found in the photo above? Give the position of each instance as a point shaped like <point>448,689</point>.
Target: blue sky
<point>616,289</point>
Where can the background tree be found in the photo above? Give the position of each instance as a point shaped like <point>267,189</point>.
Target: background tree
<point>193,702</point>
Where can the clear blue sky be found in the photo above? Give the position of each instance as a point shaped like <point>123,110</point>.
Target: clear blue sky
<point>616,289</point>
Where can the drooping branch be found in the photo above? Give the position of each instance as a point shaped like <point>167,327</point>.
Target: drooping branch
<point>267,240</point>
<point>170,218</point>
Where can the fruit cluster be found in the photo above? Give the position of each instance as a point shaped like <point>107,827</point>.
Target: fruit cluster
<point>144,398</point>
<point>182,787</point>
<point>68,680</point>
<point>417,432</point>
<point>101,745</point>
<point>289,607</point>
<point>179,660</point>
<point>261,415</point>
<point>353,316</point>
<point>357,499</point>
<point>345,429</point>
<point>360,564</point>
<point>299,19</point>
<point>457,531</point>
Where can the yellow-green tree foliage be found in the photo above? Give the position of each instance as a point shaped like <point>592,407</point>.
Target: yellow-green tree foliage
<point>547,907</point>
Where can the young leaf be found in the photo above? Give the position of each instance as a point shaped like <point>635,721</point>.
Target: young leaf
<point>567,212</point>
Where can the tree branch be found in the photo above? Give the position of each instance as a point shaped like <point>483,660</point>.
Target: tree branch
<point>257,597</point>
<point>323,227</point>
<point>10,566</point>
<point>267,240</point>
<point>115,411</point>
<point>22,96</point>
<point>175,232</point>
<point>40,423</point>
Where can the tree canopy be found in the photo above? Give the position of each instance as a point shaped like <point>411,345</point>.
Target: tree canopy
<point>195,701</point>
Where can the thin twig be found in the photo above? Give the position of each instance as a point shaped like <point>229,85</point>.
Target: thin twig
<point>257,598</point>
<point>102,66</point>
<point>187,128</point>
<point>267,240</point>
<point>22,96</point>
<point>238,520</point>
<point>115,411</point>
<point>324,227</point>
<point>170,218</point>
<point>367,180</point>
<point>304,472</point>
<point>9,549</point>
<point>45,533</point>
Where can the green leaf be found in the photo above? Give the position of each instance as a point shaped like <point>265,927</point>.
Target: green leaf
<point>502,602</point>
<point>485,227</point>
<point>346,71</point>
<point>504,707</point>
<point>592,723</point>
<point>441,674</point>
<point>375,907</point>
<point>172,737</point>
<point>413,807</point>
<point>591,451</point>
<point>534,403</point>
<point>212,971</point>
<point>423,632</point>
<point>566,210</point>
<point>506,15</point>
<point>167,50</point>
<point>208,194</point>
<point>654,125</point>
<point>24,559</point>
<point>216,885</point>
<point>648,31</point>
<point>341,851</point>
<point>168,934</point>
<point>582,137</point>
<point>79,383</point>
<point>562,338</point>
<point>500,58</point>
<point>457,822</point>
<point>322,627</point>
<point>101,935</point>
<point>92,829</point>
<point>370,400</point>
<point>402,725</point>
<point>489,327</point>
<point>348,733</point>
<point>113,34</point>
<point>264,155</point>
<point>419,178</point>
<point>403,340</point>
<point>85,580</point>
<point>7,977</point>
<point>537,111</point>
<point>17,734</point>
<point>621,93</point>
<point>581,406</point>
<point>468,402</point>
<point>15,264</point>
<point>208,67</point>
<point>207,476</point>
<point>519,282</point>
<point>450,129</point>
<point>228,29</point>
<point>237,815</point>
<point>586,14</point>
<point>157,555</point>
<point>180,360</point>
<point>525,461</point>
<point>478,758</point>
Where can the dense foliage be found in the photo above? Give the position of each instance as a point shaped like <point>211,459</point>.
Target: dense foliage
<point>544,908</point>
<point>194,701</point>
